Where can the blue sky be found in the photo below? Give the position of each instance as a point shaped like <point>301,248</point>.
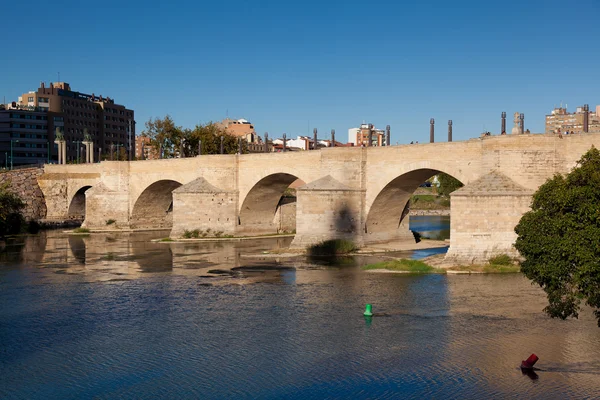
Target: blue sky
<point>290,66</point>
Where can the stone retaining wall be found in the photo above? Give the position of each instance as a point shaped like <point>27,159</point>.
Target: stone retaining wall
<point>23,182</point>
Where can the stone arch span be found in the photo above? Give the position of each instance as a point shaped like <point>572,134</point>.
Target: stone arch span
<point>77,205</point>
<point>264,202</point>
<point>154,207</point>
<point>386,218</point>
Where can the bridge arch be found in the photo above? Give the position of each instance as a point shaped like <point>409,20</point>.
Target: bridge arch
<point>386,218</point>
<point>267,200</point>
<point>154,206</point>
<point>76,209</point>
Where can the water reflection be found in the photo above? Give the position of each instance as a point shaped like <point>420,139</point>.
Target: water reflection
<point>119,316</point>
<point>435,227</point>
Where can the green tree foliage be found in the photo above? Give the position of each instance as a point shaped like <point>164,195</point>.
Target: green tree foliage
<point>168,137</point>
<point>448,184</point>
<point>560,239</point>
<point>164,135</point>
<point>11,205</point>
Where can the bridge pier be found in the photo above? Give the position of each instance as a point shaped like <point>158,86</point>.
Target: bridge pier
<point>56,197</point>
<point>328,209</point>
<point>104,204</point>
<point>202,206</point>
<point>484,215</point>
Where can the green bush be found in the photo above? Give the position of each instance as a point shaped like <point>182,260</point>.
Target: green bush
<point>558,239</point>
<point>332,247</point>
<point>195,234</point>
<point>110,221</point>
<point>11,219</point>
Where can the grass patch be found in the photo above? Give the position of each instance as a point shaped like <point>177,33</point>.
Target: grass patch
<point>332,247</point>
<point>501,259</point>
<point>81,230</point>
<point>168,239</point>
<point>488,268</point>
<point>429,202</point>
<point>501,269</point>
<point>404,265</point>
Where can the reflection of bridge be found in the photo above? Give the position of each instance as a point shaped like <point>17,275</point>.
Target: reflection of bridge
<point>357,193</point>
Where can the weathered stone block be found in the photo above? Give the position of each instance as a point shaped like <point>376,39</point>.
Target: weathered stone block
<point>200,205</point>
<point>484,215</point>
<point>328,210</point>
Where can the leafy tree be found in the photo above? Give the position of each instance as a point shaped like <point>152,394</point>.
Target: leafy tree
<point>10,211</point>
<point>560,239</point>
<point>448,184</point>
<point>165,135</point>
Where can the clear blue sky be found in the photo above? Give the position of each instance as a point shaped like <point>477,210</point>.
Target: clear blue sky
<point>290,66</point>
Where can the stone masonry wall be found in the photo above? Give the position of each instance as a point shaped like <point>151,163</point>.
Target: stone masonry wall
<point>23,182</point>
<point>285,217</point>
<point>484,226</point>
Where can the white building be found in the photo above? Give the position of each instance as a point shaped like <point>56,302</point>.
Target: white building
<point>301,142</point>
<point>352,134</point>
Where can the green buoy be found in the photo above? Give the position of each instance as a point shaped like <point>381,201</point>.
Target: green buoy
<point>368,311</point>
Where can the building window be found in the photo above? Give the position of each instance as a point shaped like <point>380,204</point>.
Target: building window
<point>30,99</point>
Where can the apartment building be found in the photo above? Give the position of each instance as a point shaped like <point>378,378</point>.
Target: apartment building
<point>561,120</point>
<point>109,125</point>
<point>24,135</point>
<point>360,136</point>
<point>144,150</point>
<point>239,128</point>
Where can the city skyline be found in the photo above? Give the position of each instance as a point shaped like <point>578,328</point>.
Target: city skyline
<point>294,67</point>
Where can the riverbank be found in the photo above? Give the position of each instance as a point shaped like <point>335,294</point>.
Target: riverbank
<point>443,212</point>
<point>437,264</point>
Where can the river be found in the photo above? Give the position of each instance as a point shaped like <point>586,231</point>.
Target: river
<point>110,316</point>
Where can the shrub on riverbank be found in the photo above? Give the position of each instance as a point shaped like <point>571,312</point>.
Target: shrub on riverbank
<point>332,247</point>
<point>199,233</point>
<point>11,219</point>
<point>195,234</point>
<point>403,265</point>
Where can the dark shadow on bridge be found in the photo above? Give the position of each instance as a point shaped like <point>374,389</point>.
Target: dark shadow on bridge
<point>262,204</point>
<point>77,205</point>
<point>154,207</point>
<point>387,218</point>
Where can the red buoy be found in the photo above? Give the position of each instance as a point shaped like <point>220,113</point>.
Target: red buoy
<point>530,362</point>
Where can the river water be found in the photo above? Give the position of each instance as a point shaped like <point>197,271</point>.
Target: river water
<point>116,316</point>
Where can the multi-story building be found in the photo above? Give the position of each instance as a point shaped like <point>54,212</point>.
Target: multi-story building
<point>24,135</point>
<point>360,136</point>
<point>110,126</point>
<point>560,120</point>
<point>144,150</point>
<point>239,128</point>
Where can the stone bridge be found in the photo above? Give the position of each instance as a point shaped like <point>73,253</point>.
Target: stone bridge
<point>356,193</point>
